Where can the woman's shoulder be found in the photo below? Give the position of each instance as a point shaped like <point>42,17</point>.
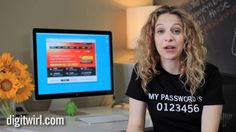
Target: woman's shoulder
<point>210,66</point>
<point>211,69</point>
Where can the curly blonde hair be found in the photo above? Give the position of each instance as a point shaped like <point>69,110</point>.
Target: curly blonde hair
<point>193,56</point>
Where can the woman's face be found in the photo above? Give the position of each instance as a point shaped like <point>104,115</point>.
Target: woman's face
<point>169,37</point>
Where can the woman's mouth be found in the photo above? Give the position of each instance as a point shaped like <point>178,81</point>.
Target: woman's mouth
<point>170,48</point>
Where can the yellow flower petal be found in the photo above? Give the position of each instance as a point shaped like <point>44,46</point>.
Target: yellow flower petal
<point>8,85</point>
<point>15,79</point>
<point>1,66</point>
<point>24,93</point>
<point>17,67</point>
<point>6,59</point>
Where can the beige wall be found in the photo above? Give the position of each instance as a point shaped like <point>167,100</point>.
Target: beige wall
<point>18,17</point>
<point>171,2</point>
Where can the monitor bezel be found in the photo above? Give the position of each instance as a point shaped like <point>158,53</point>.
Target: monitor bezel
<point>73,94</point>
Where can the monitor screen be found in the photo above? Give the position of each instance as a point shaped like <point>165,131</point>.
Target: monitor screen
<point>72,63</point>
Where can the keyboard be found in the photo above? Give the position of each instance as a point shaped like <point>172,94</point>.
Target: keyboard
<point>103,118</point>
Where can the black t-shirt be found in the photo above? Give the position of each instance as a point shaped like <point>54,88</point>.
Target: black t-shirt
<point>171,107</point>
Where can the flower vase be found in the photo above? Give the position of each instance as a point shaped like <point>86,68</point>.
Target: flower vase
<point>7,108</point>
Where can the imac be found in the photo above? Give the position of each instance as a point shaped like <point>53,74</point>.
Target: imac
<point>72,63</point>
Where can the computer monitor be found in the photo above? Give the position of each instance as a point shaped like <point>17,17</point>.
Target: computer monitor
<point>72,63</point>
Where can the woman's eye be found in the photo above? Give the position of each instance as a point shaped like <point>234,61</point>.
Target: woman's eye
<point>160,31</point>
<point>176,31</point>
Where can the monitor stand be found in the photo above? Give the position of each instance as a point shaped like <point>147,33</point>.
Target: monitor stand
<point>57,107</point>
<point>20,110</point>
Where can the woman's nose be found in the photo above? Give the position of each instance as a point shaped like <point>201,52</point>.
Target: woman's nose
<point>168,37</point>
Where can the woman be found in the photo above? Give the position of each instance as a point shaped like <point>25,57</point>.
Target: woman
<point>182,92</point>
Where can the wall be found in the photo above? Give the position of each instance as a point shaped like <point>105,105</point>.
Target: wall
<point>170,2</point>
<point>18,17</point>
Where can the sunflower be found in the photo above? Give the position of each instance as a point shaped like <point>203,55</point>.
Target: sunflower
<point>1,66</point>
<point>24,93</point>
<point>8,85</point>
<point>6,60</point>
<point>17,67</point>
<point>15,79</point>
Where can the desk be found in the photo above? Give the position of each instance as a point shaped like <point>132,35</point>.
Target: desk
<point>78,126</point>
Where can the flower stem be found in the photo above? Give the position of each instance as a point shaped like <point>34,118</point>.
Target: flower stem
<point>6,109</point>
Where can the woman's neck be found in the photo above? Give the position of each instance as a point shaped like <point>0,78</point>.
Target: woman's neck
<point>171,66</point>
